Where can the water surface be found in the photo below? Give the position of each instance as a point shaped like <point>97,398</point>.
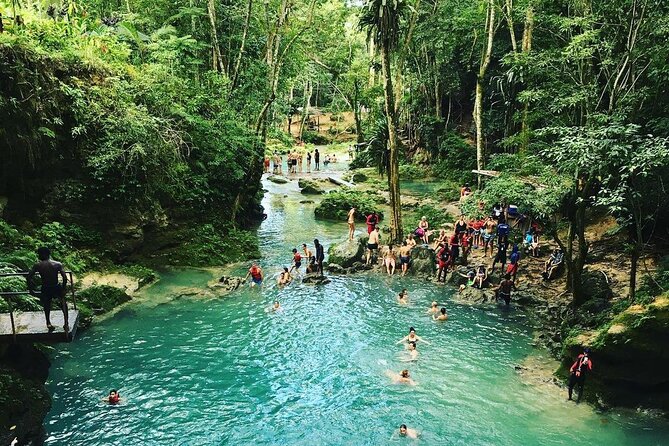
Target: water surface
<point>196,371</point>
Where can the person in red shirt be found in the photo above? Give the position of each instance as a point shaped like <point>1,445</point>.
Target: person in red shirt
<point>297,261</point>
<point>476,226</point>
<point>454,243</point>
<point>372,220</point>
<point>581,367</point>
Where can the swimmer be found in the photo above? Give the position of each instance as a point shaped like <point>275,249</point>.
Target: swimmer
<point>403,297</point>
<point>442,317</point>
<point>256,275</point>
<point>434,309</point>
<point>401,378</point>
<point>406,432</point>
<point>113,398</point>
<point>412,337</point>
<point>412,354</point>
<point>284,278</point>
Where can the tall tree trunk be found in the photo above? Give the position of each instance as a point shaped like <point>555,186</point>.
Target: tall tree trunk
<point>526,48</point>
<point>371,48</point>
<point>393,164</point>
<point>508,6</point>
<point>478,104</point>
<point>216,49</point>
<point>355,104</point>
<point>308,92</point>
<point>245,33</point>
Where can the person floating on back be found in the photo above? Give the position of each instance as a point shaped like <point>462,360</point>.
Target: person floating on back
<point>49,270</point>
<point>581,367</point>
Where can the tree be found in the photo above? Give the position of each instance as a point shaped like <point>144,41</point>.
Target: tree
<point>382,19</point>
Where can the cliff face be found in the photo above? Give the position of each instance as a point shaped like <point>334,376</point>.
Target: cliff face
<point>631,357</point>
<point>23,397</point>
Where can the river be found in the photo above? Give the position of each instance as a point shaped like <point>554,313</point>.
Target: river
<point>213,371</point>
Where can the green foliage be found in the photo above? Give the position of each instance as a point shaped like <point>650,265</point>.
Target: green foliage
<point>412,172</point>
<point>316,138</point>
<point>455,160</point>
<point>102,298</point>
<point>435,216</point>
<point>336,204</point>
<point>655,284</point>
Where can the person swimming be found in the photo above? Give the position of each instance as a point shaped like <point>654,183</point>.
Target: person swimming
<point>442,317</point>
<point>256,275</point>
<point>412,354</point>
<point>285,278</point>
<point>407,432</point>
<point>412,337</point>
<point>403,297</point>
<point>401,378</point>
<point>114,397</point>
<point>434,309</point>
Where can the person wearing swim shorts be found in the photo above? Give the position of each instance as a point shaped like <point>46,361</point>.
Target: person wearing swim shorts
<point>49,270</point>
<point>297,261</point>
<point>405,257</point>
<point>256,274</point>
<point>372,245</point>
<point>488,235</point>
<point>513,262</point>
<point>444,260</point>
<point>503,290</point>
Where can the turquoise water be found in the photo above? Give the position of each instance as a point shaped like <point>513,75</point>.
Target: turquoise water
<point>203,371</point>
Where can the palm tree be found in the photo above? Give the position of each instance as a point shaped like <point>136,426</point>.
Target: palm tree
<point>382,19</point>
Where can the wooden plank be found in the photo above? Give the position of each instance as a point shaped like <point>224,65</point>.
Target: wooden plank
<point>31,327</point>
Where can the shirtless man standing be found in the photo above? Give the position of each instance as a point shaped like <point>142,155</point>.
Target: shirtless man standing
<point>405,257</point>
<point>488,235</point>
<point>49,271</point>
<point>372,244</point>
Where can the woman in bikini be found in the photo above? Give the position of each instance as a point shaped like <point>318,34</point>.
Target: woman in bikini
<point>389,260</point>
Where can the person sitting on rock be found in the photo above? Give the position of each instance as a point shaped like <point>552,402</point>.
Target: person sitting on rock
<point>389,260</point>
<point>411,241</point>
<point>442,239</point>
<point>423,230</point>
<point>481,277</point>
<point>552,264</point>
<point>470,276</point>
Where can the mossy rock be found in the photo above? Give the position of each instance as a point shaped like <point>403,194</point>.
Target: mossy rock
<point>346,253</point>
<point>103,298</point>
<point>595,286</point>
<point>336,204</point>
<point>359,177</point>
<point>277,179</point>
<point>309,187</point>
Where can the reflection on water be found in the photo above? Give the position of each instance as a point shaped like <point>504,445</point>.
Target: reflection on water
<point>225,371</point>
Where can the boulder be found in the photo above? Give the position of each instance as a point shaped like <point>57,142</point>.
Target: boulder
<point>315,279</point>
<point>346,253</point>
<point>277,179</point>
<point>475,295</point>
<point>358,177</point>
<point>336,269</point>
<point>596,285</point>
<point>310,187</point>
<point>423,261</point>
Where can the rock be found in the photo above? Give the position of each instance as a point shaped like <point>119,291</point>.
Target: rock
<point>423,261</point>
<point>315,279</point>
<point>475,296</point>
<point>228,284</point>
<point>336,269</point>
<point>277,179</point>
<point>312,189</point>
<point>595,285</point>
<point>346,253</point>
<point>306,201</point>
<point>359,177</point>
<point>525,299</point>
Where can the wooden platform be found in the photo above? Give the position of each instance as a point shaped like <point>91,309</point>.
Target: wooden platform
<point>31,327</point>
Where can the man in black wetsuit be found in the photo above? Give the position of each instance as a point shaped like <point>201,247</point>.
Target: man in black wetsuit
<point>320,256</point>
<point>317,160</point>
<point>48,270</point>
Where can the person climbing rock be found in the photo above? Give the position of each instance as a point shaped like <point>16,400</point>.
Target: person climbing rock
<point>49,270</point>
<point>581,367</point>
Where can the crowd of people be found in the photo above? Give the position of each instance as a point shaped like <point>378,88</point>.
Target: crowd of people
<point>296,161</point>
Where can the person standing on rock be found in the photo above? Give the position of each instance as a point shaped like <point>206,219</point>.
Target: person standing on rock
<point>444,261</point>
<point>405,257</point>
<point>499,257</point>
<point>320,256</point>
<point>372,245</point>
<point>581,367</point>
<point>513,262</point>
<point>49,270</point>
<point>317,160</point>
<point>308,162</point>
<point>372,220</point>
<point>351,223</point>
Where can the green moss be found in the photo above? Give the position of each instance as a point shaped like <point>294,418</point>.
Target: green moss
<point>102,298</point>
<point>24,402</point>
<point>412,172</point>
